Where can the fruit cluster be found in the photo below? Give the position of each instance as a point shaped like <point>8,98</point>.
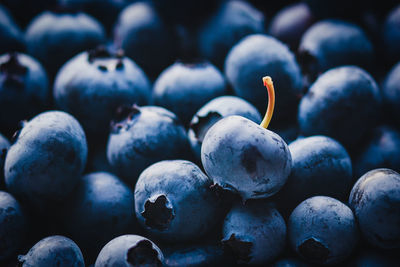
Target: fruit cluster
<point>132,134</point>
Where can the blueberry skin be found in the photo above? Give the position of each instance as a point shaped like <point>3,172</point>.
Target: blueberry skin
<point>130,250</point>
<point>212,112</point>
<point>258,55</point>
<point>185,88</point>
<point>334,95</point>
<point>10,34</point>
<point>4,146</point>
<point>100,209</point>
<point>245,158</point>
<point>332,43</point>
<point>92,85</point>
<point>197,255</point>
<point>47,159</point>
<point>53,251</point>
<point>13,225</point>
<point>381,151</point>
<point>173,201</point>
<point>48,33</point>
<point>375,202</point>
<point>391,35</point>
<point>323,230</point>
<point>145,136</point>
<point>289,24</point>
<point>231,22</point>
<point>391,92</point>
<point>255,232</point>
<point>320,166</point>
<point>145,38</point>
<point>24,89</point>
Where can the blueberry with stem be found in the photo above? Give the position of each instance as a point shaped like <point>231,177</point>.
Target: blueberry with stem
<point>247,158</point>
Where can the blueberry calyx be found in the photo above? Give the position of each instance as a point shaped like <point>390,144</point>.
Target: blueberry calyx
<point>143,254</point>
<point>124,116</point>
<point>159,213</point>
<point>313,250</point>
<point>241,249</point>
<point>201,124</point>
<point>13,70</point>
<point>101,52</point>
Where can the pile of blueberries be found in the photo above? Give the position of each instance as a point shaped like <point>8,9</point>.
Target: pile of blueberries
<point>132,133</point>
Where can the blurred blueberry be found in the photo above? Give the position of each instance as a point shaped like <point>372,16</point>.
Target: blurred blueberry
<point>46,160</point>
<point>231,22</point>
<point>101,208</point>
<point>54,38</point>
<point>258,55</point>
<point>53,251</point>
<point>24,90</point>
<point>142,136</point>
<point>4,146</point>
<point>13,226</point>
<point>375,202</point>
<point>289,24</point>
<point>92,85</point>
<point>130,250</point>
<point>332,43</point>
<point>10,34</point>
<point>184,88</point>
<point>391,92</point>
<point>343,103</point>
<point>391,35</point>
<point>145,38</point>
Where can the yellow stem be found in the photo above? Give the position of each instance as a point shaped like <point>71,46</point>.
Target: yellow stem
<point>271,101</point>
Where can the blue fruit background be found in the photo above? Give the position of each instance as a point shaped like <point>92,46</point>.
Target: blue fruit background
<point>132,133</point>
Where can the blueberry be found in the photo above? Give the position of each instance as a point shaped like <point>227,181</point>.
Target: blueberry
<point>92,85</point>
<point>244,157</point>
<point>100,209</point>
<point>333,43</point>
<point>197,255</point>
<point>375,202</point>
<point>48,34</point>
<point>255,232</point>
<point>323,230</point>
<point>231,22</point>
<point>189,13</point>
<point>335,95</point>
<point>391,35</point>
<point>212,112</point>
<point>10,34</point>
<point>23,89</point>
<point>106,11</point>
<point>53,251</point>
<point>13,226</point>
<point>381,151</point>
<point>320,166</point>
<point>4,145</point>
<point>47,159</point>
<point>173,201</point>
<point>391,92</point>
<point>184,88</point>
<point>143,136</point>
<point>289,24</point>
<point>130,250</point>
<point>255,56</point>
<point>145,37</point>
